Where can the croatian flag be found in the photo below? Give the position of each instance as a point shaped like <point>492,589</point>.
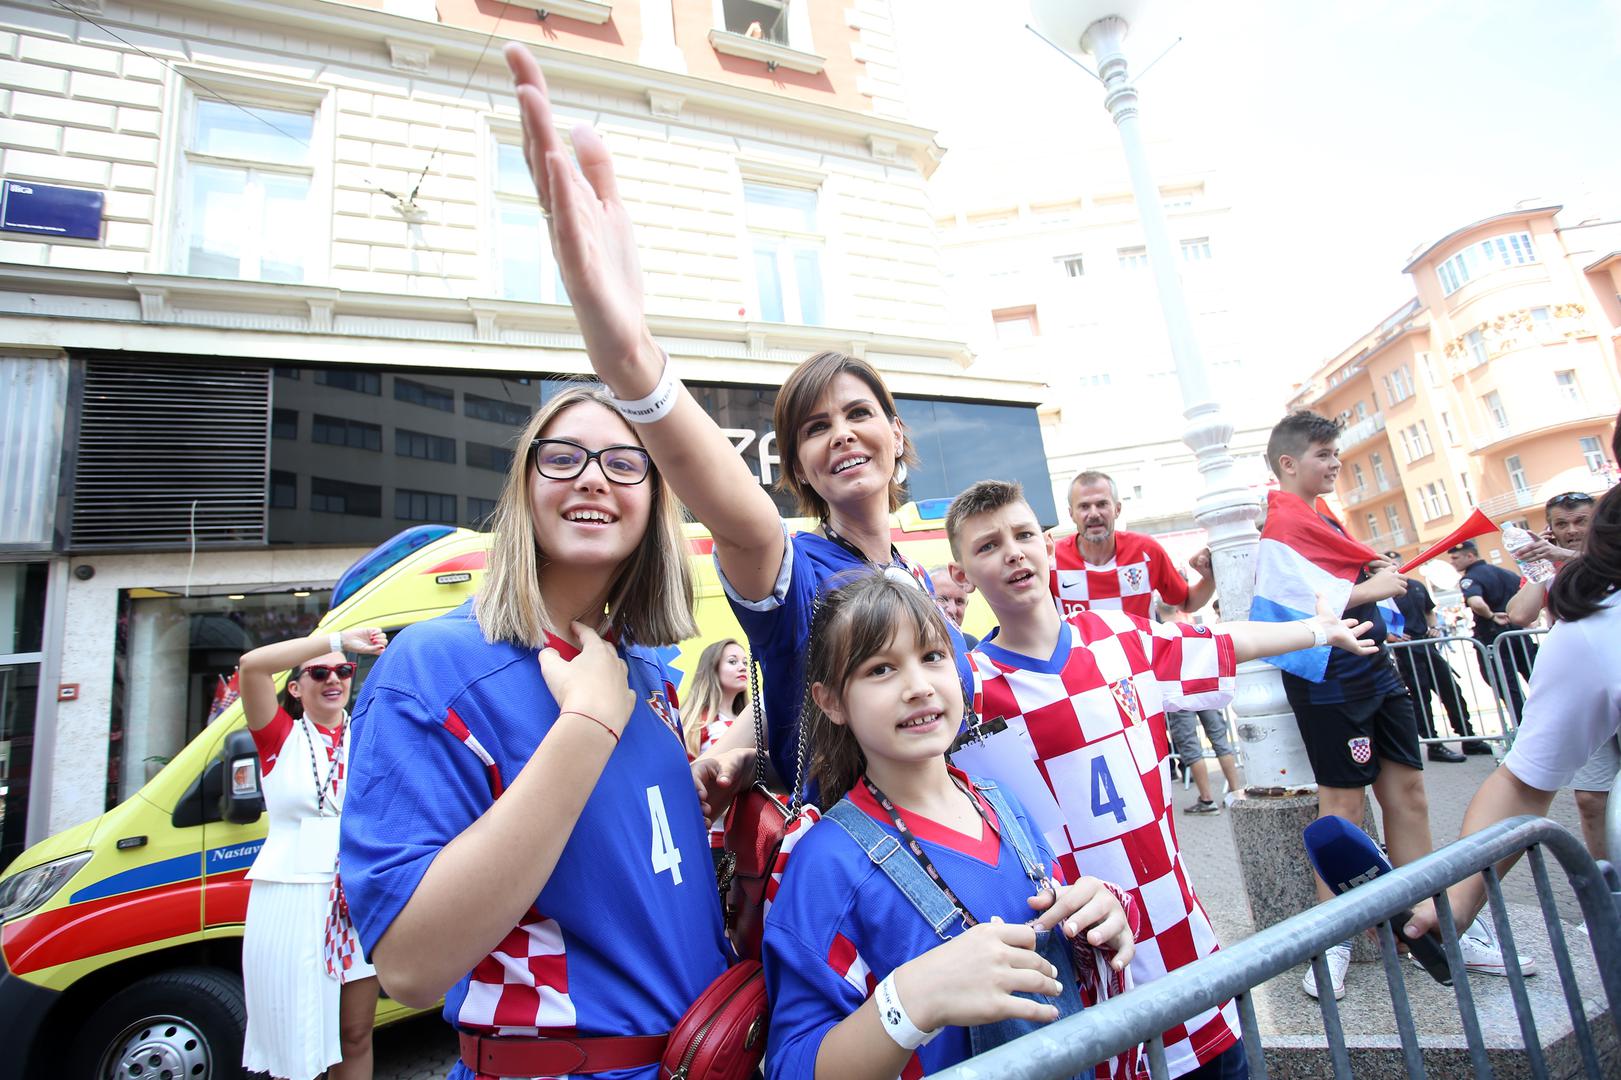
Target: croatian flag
<point>1302,557</point>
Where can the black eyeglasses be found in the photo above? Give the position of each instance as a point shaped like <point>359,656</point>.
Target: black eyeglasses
<point>319,672</point>
<point>560,459</point>
<point>1569,498</point>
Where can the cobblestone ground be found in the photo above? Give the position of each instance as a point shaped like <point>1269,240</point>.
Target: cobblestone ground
<point>424,1047</point>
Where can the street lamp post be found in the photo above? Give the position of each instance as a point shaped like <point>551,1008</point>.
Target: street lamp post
<point>1226,508</point>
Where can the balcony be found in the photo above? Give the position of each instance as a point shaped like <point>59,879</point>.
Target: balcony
<point>1364,492</point>
<point>1535,495</point>
<point>1361,431</point>
<point>1528,415</point>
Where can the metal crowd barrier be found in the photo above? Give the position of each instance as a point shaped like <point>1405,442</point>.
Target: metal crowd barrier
<point>1074,1045</point>
<point>1478,697</point>
<point>1513,654</point>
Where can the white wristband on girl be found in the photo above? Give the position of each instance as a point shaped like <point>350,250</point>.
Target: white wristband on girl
<point>657,404</point>
<point>334,642</point>
<point>897,1024</point>
<point>1319,634</point>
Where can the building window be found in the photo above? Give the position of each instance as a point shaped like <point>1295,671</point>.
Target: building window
<point>1179,200</point>
<point>1477,260</point>
<point>1429,369</point>
<point>245,209</point>
<point>420,444</point>
<point>1373,523</point>
<point>1539,316</point>
<point>1475,342</point>
<point>524,266</point>
<point>1446,426</point>
<point>479,511</point>
<point>329,496</point>
<point>484,456</point>
<point>338,431</point>
<point>1568,389</point>
<point>786,241</point>
<point>360,382</point>
<point>283,490</point>
<point>1072,265</point>
<point>1592,453</point>
<point>424,506</point>
<point>429,397</point>
<point>1495,411</point>
<point>1435,499</point>
<point>1132,258</point>
<point>1393,519</point>
<point>1358,481</point>
<point>1015,324</point>
<point>1468,488</point>
<point>766,20</point>
<point>1196,249</point>
<point>1378,464</point>
<point>1416,440</point>
<point>284,423</point>
<point>1516,474</point>
<point>1401,383</point>
<point>507,413</point>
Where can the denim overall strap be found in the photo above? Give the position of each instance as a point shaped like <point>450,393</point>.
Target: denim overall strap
<point>908,877</point>
<point>1012,830</point>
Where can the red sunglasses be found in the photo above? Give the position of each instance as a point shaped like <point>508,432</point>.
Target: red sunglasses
<point>319,672</point>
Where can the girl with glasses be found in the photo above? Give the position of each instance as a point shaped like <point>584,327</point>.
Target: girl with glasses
<point>311,995</point>
<point>524,837</point>
<point>843,447</point>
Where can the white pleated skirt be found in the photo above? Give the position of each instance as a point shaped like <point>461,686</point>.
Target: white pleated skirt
<point>292,1002</point>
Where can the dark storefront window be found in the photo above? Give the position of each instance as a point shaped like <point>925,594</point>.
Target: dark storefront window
<point>283,490</point>
<point>429,397</point>
<point>22,623</point>
<point>358,380</point>
<point>510,413</point>
<point>962,442</point>
<point>424,506</point>
<point>284,423</point>
<point>355,434</point>
<point>328,496</point>
<point>484,456</point>
<point>419,444</point>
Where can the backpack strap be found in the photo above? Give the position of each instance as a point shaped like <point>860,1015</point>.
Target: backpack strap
<point>923,894</point>
<point>1012,829</point>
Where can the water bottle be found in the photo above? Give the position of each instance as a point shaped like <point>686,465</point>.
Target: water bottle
<point>1516,540</point>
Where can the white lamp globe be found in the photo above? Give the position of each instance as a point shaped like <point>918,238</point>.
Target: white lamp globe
<point>1065,21</point>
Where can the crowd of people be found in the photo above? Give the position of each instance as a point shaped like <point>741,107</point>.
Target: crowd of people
<point>524,808</point>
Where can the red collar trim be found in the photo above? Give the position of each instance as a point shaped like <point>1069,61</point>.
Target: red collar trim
<point>567,651</point>
<point>986,848</point>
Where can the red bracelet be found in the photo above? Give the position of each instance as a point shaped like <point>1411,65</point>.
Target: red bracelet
<point>594,720</point>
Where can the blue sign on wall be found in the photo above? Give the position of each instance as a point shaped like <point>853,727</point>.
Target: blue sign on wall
<point>49,210</point>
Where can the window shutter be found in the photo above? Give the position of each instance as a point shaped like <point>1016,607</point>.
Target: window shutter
<point>171,454</point>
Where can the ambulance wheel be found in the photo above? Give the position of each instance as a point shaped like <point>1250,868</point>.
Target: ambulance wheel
<point>185,1024</point>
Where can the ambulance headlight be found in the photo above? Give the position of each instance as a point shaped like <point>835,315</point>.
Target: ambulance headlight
<point>26,890</point>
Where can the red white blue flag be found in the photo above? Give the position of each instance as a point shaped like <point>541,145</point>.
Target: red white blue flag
<point>1303,557</point>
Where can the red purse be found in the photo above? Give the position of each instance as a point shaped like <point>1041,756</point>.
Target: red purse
<point>758,827</point>
<point>722,1036</point>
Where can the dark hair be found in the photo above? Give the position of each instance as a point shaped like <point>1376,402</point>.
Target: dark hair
<point>856,620</point>
<point>800,392</point>
<point>1297,432</point>
<point>291,705</point>
<point>1586,581</point>
<point>982,497</point>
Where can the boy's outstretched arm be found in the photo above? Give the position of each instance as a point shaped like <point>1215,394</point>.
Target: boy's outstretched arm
<point>1255,640</point>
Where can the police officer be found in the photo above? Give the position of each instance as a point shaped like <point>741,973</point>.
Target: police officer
<point>1425,670</point>
<point>1487,589</point>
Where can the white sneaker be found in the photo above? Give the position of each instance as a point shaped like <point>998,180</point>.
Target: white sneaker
<point>1481,952</point>
<point>1338,958</point>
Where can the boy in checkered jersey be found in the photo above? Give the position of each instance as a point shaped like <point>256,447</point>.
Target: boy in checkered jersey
<point>1072,719</point>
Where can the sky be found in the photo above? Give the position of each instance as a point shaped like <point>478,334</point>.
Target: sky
<point>1347,137</point>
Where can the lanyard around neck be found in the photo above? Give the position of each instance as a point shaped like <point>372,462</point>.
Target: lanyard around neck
<point>897,561</point>
<point>321,786</point>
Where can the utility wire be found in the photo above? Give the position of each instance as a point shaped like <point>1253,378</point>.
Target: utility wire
<point>410,200</point>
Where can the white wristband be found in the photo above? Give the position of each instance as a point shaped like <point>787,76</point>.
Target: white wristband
<point>897,1024</point>
<point>657,404</point>
<point>1319,635</point>
<point>334,641</point>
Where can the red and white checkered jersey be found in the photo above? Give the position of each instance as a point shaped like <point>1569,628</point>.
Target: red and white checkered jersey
<point>1091,719</point>
<point>1127,582</point>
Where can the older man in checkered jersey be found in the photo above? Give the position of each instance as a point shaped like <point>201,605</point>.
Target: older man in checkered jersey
<point>1102,569</point>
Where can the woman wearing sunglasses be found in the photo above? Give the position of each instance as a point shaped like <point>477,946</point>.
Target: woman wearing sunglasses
<point>311,995</point>
<point>523,836</point>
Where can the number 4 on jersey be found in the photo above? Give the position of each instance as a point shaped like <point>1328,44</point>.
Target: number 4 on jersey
<point>1105,797</point>
<point>666,856</point>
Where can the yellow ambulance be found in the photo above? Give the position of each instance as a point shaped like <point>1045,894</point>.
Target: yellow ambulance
<point>121,937</point>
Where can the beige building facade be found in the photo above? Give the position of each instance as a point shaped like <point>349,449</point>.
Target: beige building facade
<point>319,299</point>
<point>1496,386</point>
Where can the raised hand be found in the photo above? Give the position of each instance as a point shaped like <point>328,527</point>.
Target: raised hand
<point>590,234</point>
<point>972,979</point>
<point>366,640</point>
<point>1347,634</point>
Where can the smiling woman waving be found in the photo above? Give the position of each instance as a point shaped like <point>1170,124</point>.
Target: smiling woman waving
<point>841,440</point>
